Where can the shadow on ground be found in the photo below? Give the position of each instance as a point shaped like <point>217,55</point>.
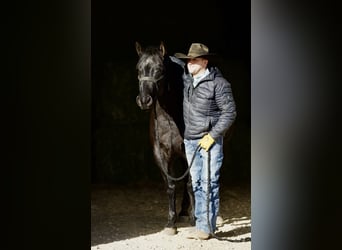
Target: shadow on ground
<point>124,212</point>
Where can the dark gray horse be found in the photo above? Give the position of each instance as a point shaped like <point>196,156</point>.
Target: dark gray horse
<point>161,92</point>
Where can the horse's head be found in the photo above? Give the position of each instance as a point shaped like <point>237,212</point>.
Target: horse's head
<point>150,69</point>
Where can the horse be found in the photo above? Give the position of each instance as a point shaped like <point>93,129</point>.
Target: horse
<point>161,93</point>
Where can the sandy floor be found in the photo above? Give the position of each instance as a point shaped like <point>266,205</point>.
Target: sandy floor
<point>134,217</point>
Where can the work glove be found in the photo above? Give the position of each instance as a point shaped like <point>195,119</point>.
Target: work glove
<point>206,142</point>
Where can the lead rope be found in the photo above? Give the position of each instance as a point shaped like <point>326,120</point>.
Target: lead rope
<point>208,220</point>
<point>164,170</point>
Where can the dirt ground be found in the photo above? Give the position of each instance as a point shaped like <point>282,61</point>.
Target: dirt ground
<point>133,217</point>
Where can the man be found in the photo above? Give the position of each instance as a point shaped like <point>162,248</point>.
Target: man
<point>209,111</point>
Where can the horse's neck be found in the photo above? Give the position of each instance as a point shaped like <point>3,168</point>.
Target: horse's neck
<point>161,108</point>
<point>161,114</point>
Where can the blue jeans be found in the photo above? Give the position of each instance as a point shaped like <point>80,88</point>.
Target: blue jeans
<point>199,178</point>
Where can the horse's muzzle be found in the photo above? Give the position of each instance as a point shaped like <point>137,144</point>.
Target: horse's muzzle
<point>144,102</point>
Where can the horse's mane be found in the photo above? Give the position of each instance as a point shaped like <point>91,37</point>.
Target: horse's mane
<point>173,78</point>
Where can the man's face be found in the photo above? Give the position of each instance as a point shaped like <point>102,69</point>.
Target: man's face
<point>197,65</point>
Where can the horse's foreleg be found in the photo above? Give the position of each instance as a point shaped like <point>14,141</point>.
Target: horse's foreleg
<point>171,191</point>
<point>164,163</point>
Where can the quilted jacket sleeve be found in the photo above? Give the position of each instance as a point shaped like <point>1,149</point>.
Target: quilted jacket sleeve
<point>226,104</point>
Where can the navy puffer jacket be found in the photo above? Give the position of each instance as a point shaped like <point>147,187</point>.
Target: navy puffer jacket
<point>209,107</point>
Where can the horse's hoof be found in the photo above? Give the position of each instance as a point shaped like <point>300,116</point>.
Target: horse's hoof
<point>170,230</point>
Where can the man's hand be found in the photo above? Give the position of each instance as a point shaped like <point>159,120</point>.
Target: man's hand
<point>206,142</point>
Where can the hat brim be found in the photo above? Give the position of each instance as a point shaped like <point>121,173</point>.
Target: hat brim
<point>183,56</point>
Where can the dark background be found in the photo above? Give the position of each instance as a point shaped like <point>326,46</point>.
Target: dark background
<point>121,152</point>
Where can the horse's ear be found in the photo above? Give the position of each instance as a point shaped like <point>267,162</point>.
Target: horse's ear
<point>162,48</point>
<point>138,48</point>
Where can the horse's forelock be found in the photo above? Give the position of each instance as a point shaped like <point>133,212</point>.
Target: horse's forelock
<point>150,57</point>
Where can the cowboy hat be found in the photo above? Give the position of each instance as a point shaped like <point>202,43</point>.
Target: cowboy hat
<point>196,50</point>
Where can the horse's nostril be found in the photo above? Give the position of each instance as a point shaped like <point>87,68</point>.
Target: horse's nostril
<point>148,100</point>
<point>144,102</point>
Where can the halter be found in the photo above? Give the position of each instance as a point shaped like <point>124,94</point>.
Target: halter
<point>151,79</point>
